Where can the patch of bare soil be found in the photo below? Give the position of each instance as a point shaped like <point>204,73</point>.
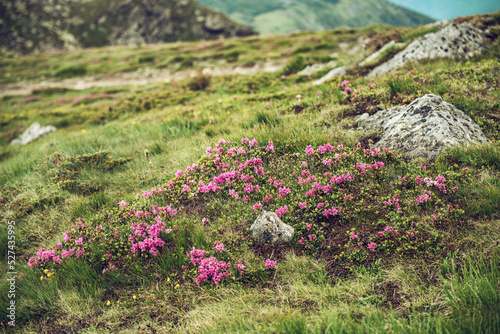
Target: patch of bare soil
<point>141,77</point>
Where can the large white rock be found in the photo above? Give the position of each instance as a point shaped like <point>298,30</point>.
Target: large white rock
<point>456,41</point>
<point>424,128</point>
<point>33,132</point>
<point>268,227</point>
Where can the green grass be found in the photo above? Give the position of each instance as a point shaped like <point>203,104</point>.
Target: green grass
<point>112,144</point>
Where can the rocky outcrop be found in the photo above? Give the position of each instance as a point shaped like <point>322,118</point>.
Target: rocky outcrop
<point>35,131</point>
<point>424,128</point>
<point>375,56</point>
<point>339,71</point>
<point>35,26</point>
<point>311,69</point>
<point>455,41</point>
<point>268,227</point>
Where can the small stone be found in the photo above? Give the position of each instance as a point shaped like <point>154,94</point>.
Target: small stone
<point>268,227</point>
<point>35,131</point>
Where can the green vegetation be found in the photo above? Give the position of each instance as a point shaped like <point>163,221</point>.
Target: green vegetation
<point>137,176</point>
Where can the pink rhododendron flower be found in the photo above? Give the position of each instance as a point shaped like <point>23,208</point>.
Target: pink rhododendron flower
<point>257,206</point>
<point>281,211</point>
<point>353,235</point>
<point>186,188</point>
<point>270,146</point>
<point>371,246</point>
<point>270,263</point>
<point>302,205</point>
<point>122,204</point>
<point>309,150</point>
<point>219,246</point>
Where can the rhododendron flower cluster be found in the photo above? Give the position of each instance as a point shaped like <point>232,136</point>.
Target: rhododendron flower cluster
<point>208,268</point>
<point>271,264</point>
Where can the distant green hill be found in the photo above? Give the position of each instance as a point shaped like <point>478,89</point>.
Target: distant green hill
<point>285,16</point>
<point>33,26</point>
<point>449,9</point>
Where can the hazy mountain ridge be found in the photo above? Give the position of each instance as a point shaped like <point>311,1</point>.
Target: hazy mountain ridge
<point>285,16</point>
<point>33,26</point>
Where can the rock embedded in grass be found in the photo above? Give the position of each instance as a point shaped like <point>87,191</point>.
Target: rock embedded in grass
<point>424,128</point>
<point>35,131</point>
<point>268,227</point>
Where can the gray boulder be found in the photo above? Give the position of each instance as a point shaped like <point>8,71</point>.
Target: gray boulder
<point>456,41</point>
<point>424,128</point>
<point>268,227</point>
<point>33,132</point>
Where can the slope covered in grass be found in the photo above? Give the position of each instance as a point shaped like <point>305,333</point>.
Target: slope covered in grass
<point>134,215</point>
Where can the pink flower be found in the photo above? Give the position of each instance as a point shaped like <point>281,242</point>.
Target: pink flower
<point>219,246</point>
<point>270,263</point>
<point>380,234</point>
<point>58,245</point>
<point>309,227</point>
<point>122,204</point>
<point>268,104</point>
<point>372,80</point>
<point>179,173</point>
<point>302,205</point>
<point>186,188</point>
<point>319,92</point>
<point>281,211</point>
<point>347,89</point>
<point>371,246</point>
<point>309,150</point>
<point>298,97</point>
<point>241,266</point>
<point>79,241</point>
<point>304,163</point>
<point>257,206</point>
<point>205,220</point>
<point>353,235</point>
<point>283,76</point>
<point>270,146</point>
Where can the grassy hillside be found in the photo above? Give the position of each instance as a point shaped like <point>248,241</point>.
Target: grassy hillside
<point>281,17</point>
<point>136,176</point>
